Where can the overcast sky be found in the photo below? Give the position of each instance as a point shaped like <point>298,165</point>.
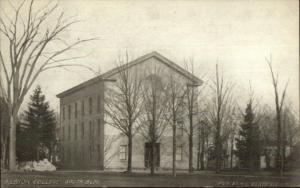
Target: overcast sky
<point>239,34</point>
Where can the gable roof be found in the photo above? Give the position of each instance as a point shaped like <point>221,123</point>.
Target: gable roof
<point>106,76</point>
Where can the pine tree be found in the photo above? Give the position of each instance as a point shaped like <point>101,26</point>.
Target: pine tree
<point>36,129</point>
<point>248,150</point>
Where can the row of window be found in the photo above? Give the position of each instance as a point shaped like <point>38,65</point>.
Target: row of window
<point>74,109</point>
<point>80,131</point>
<point>123,152</point>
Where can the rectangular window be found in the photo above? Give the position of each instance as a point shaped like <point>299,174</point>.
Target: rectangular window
<point>75,109</point>
<point>65,155</point>
<point>82,130</point>
<point>75,154</point>
<point>90,105</point>
<point>178,153</point>
<point>123,150</point>
<point>62,154</point>
<point>90,135</point>
<point>90,151</point>
<point>98,103</point>
<point>75,132</point>
<point>70,155</point>
<point>69,111</point>
<point>69,133</point>
<point>98,132</point>
<point>98,152</point>
<point>64,110</point>
<point>82,108</point>
<point>180,126</point>
<point>82,153</point>
<point>63,133</point>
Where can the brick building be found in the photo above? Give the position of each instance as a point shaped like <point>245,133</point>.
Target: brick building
<point>89,143</point>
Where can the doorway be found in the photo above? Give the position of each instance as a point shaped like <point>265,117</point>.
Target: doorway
<point>148,154</point>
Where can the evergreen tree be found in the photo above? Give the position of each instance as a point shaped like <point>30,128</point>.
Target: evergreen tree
<point>36,129</point>
<point>25,144</point>
<point>248,150</point>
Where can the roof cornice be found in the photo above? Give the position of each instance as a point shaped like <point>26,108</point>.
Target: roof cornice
<point>107,75</point>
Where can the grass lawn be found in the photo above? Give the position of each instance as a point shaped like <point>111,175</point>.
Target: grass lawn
<point>114,179</point>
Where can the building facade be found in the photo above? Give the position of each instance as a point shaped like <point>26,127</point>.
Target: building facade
<point>89,142</point>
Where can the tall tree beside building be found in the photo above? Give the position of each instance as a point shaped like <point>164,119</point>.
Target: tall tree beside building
<point>123,103</point>
<point>248,142</point>
<point>37,128</point>
<point>27,41</point>
<point>192,110</point>
<point>219,110</point>
<point>279,101</point>
<point>155,118</point>
<point>176,93</point>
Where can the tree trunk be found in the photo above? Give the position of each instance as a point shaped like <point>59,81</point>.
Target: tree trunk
<point>129,165</point>
<point>207,142</point>
<point>202,152</point>
<point>284,141</point>
<point>279,161</point>
<point>218,133</point>
<point>152,159</point>
<point>198,156</point>
<point>198,149</point>
<point>191,152</point>
<point>12,143</point>
<point>218,149</point>
<point>231,153</point>
<point>283,157</point>
<point>191,143</point>
<point>174,150</point>
<point>3,154</point>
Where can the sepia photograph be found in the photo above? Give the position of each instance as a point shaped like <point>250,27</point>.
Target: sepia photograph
<point>143,93</point>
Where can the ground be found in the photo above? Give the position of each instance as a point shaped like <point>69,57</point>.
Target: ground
<point>114,179</point>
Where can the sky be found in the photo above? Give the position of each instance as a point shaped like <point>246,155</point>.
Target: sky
<point>238,34</point>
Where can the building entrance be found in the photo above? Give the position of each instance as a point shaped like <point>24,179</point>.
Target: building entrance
<point>148,154</point>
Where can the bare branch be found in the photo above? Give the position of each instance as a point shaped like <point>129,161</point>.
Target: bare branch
<point>283,95</point>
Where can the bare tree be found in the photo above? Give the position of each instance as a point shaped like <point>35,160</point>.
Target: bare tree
<point>176,92</point>
<point>191,105</point>
<point>29,37</point>
<point>155,116</point>
<point>203,127</point>
<point>123,104</point>
<point>279,101</point>
<point>219,110</point>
